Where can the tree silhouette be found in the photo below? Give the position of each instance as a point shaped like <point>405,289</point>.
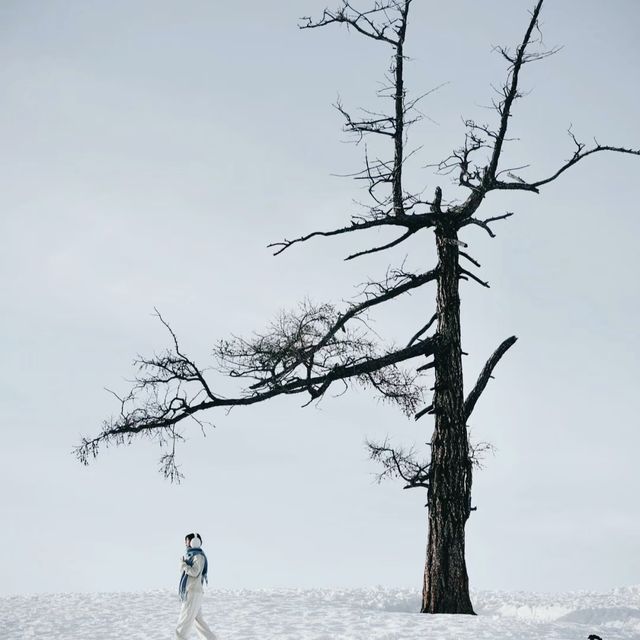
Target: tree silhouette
<point>318,346</point>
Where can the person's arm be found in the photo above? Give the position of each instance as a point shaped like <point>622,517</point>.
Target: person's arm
<point>195,569</point>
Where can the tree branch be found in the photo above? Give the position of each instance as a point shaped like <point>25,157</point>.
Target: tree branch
<point>360,20</point>
<point>393,243</point>
<point>468,274</point>
<point>398,463</point>
<point>408,282</point>
<point>157,415</point>
<point>424,329</point>
<point>580,155</point>
<point>485,375</point>
<point>509,95</point>
<point>413,222</point>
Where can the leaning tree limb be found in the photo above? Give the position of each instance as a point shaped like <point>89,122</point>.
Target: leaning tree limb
<point>162,413</point>
<point>485,375</point>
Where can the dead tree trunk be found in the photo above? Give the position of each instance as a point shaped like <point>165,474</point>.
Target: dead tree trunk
<point>446,584</point>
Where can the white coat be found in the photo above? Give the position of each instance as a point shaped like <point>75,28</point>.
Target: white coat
<point>194,577</point>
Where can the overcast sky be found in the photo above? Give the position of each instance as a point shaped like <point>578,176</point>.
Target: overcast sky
<point>152,149</point>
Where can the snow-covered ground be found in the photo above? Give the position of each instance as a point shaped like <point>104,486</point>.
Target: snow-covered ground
<point>354,614</point>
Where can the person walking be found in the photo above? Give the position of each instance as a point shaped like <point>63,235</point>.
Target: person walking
<point>194,567</point>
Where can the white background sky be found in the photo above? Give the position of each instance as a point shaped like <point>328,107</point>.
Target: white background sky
<point>151,150</point>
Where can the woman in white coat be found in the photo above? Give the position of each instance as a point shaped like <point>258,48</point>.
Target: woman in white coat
<point>194,568</point>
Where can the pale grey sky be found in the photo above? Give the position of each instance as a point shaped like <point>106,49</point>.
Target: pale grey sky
<point>151,150</point>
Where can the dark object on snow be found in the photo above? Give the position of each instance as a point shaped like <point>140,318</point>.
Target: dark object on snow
<point>593,636</point>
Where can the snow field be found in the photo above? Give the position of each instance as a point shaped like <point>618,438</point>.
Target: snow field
<point>323,614</point>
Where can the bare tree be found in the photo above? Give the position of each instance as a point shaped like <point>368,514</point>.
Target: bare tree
<point>317,346</point>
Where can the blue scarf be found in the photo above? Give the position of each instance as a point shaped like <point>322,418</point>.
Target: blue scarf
<point>182,589</point>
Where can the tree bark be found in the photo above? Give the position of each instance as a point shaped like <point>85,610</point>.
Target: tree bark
<point>446,583</point>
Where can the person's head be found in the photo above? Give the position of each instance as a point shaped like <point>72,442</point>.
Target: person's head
<point>193,540</point>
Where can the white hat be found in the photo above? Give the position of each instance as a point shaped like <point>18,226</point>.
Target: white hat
<point>195,543</point>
